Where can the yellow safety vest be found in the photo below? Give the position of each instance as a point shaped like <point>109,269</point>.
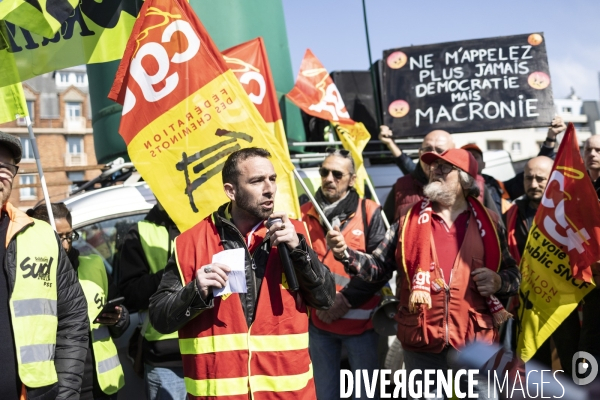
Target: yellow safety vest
<point>33,304</point>
<point>93,280</point>
<point>155,243</point>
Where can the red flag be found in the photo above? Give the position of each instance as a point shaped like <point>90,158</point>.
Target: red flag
<point>250,64</point>
<point>184,113</point>
<point>316,94</point>
<point>569,214</point>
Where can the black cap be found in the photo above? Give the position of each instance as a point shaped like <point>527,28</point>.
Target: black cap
<point>13,144</point>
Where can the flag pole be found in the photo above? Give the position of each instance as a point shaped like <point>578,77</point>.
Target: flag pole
<point>316,205</point>
<point>376,200</point>
<point>373,80</point>
<point>38,162</point>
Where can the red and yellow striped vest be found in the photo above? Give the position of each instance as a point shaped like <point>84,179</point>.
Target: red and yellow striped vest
<point>222,357</point>
<point>356,321</point>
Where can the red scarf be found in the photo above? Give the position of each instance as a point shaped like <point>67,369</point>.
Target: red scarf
<point>419,261</point>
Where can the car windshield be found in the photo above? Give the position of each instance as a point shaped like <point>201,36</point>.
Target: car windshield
<point>105,239</point>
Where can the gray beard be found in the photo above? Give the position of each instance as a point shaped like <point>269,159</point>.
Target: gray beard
<point>438,193</point>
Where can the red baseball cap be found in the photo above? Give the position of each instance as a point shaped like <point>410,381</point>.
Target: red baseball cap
<point>460,158</point>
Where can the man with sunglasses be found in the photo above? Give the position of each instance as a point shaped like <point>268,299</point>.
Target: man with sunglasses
<point>348,322</point>
<point>452,261</point>
<point>43,311</point>
<point>409,188</point>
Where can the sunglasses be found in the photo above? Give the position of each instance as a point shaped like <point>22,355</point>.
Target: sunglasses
<point>324,172</point>
<point>11,169</point>
<point>443,168</point>
<point>69,237</point>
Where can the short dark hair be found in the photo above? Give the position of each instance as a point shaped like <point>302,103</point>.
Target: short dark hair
<point>59,210</point>
<point>230,171</point>
<point>342,153</point>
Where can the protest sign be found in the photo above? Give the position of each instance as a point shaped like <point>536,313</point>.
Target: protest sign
<point>467,86</point>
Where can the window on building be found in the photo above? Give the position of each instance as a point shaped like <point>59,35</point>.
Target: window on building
<point>27,149</point>
<point>64,78</point>
<point>27,193</point>
<point>567,110</point>
<point>30,110</point>
<point>74,144</point>
<point>75,177</point>
<point>73,109</point>
<point>516,147</point>
<point>80,78</point>
<point>495,145</point>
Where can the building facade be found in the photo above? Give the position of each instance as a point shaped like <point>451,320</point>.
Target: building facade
<point>60,110</point>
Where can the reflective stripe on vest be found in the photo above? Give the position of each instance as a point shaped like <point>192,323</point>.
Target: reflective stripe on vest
<point>231,361</point>
<point>355,321</point>
<point>33,304</point>
<point>94,282</point>
<point>155,243</point>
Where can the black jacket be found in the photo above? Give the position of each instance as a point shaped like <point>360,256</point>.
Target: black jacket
<point>137,284</point>
<point>73,326</point>
<point>174,305</point>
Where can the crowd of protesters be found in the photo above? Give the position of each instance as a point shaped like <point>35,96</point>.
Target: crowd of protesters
<point>453,282</point>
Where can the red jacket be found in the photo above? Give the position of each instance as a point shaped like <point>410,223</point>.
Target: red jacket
<point>356,321</point>
<point>225,359</point>
<point>407,191</point>
<point>457,316</point>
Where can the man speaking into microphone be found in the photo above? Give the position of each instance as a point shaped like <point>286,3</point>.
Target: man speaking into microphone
<point>252,338</point>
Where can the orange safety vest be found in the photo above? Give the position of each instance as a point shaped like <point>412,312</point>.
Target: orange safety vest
<point>222,357</point>
<point>356,321</point>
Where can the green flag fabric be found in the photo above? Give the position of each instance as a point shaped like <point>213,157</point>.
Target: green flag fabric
<point>43,17</point>
<point>94,32</point>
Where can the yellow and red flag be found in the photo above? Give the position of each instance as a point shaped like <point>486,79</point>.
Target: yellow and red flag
<point>250,64</point>
<point>316,94</point>
<point>563,242</point>
<point>184,112</point>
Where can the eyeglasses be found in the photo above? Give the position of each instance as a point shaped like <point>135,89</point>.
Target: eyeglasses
<point>443,168</point>
<point>324,172</point>
<point>69,237</point>
<point>9,168</point>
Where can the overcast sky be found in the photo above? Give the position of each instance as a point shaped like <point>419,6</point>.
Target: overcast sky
<point>334,31</point>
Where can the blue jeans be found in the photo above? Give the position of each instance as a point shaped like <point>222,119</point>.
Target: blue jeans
<point>422,361</point>
<point>326,352</point>
<point>165,383</point>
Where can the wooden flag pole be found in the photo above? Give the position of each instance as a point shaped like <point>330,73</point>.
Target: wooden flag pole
<point>38,162</point>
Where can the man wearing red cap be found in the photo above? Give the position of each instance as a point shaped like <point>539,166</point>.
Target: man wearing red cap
<point>452,260</point>
<point>409,188</point>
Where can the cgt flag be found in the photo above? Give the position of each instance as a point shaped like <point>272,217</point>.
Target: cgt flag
<point>43,17</point>
<point>250,64</point>
<point>562,244</point>
<point>317,95</point>
<point>184,112</point>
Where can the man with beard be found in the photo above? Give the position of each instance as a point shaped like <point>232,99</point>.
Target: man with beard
<point>43,312</point>
<point>452,261</point>
<point>348,322</point>
<point>518,220</point>
<point>253,340</point>
<point>409,188</point>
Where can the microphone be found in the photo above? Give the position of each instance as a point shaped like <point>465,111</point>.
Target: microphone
<point>286,261</point>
